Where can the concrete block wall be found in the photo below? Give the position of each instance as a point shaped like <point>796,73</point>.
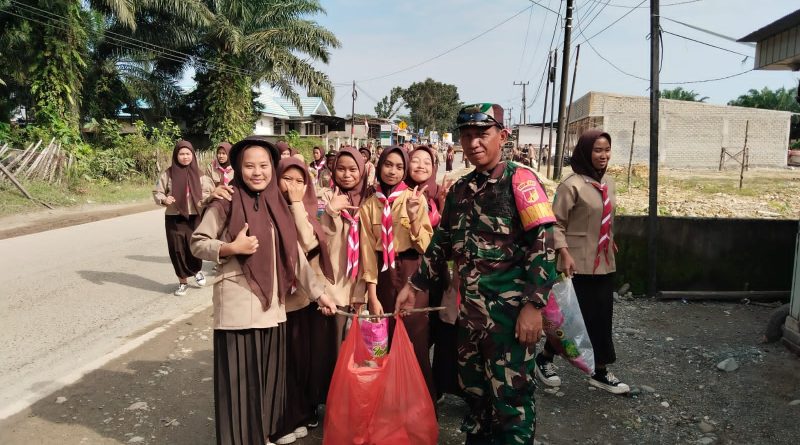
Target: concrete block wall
<point>691,133</point>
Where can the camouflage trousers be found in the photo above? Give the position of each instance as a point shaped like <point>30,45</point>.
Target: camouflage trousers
<point>496,373</point>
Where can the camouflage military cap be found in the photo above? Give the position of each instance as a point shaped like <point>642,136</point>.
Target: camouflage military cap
<point>480,115</point>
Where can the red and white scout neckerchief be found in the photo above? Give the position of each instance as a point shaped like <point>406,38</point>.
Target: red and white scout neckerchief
<point>318,166</point>
<point>387,233</point>
<point>605,224</point>
<point>224,172</point>
<point>353,241</point>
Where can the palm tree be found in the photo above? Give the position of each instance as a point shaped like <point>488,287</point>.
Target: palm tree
<point>680,94</point>
<point>250,42</point>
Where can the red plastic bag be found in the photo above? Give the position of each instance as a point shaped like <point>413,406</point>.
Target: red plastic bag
<point>384,404</point>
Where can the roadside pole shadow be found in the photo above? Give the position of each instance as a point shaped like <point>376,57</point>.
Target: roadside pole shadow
<point>126,279</point>
<point>149,258</point>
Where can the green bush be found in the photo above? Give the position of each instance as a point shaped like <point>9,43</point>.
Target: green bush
<point>304,145</point>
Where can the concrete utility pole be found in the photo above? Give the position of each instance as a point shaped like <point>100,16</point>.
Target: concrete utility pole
<point>552,75</point>
<point>509,118</point>
<point>540,160</point>
<point>572,95</point>
<point>353,113</point>
<point>562,100</point>
<point>524,84</point>
<point>652,213</point>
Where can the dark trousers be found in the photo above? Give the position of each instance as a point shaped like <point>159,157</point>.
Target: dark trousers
<point>389,284</point>
<point>596,299</point>
<point>179,235</point>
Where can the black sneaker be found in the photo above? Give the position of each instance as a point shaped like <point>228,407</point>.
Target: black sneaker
<point>609,383</point>
<point>545,371</point>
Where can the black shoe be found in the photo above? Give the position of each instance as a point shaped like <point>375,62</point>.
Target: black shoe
<point>546,371</point>
<point>478,439</point>
<point>606,381</point>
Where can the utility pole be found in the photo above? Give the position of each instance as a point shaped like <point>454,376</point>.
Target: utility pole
<point>524,84</point>
<point>552,74</point>
<point>652,213</point>
<point>540,159</point>
<point>508,125</point>
<point>353,113</point>
<point>562,100</point>
<point>572,94</point>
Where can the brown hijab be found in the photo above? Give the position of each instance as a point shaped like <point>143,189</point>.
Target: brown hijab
<point>183,177</point>
<point>356,194</point>
<point>432,192</point>
<point>581,161</point>
<point>310,204</point>
<point>226,147</point>
<point>267,215</point>
<point>382,158</point>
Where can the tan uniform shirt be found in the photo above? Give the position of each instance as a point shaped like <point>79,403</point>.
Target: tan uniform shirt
<point>578,207</point>
<point>371,212</point>
<point>163,188</point>
<point>308,241</point>
<point>345,291</point>
<point>235,305</point>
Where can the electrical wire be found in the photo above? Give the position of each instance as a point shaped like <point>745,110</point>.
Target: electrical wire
<point>668,4</point>
<point>612,23</point>
<point>124,41</point>
<point>706,44</point>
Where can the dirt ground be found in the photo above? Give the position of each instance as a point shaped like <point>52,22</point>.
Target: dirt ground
<point>161,393</point>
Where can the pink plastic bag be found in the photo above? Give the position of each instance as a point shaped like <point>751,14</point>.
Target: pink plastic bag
<point>376,336</point>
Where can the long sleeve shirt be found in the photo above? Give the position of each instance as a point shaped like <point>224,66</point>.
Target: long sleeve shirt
<point>163,188</point>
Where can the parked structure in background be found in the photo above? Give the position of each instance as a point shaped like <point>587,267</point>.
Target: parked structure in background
<point>692,133</point>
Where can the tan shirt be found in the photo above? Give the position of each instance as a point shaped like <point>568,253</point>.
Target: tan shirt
<point>163,188</point>
<point>371,212</point>
<point>216,176</point>
<point>578,207</point>
<point>345,291</point>
<point>308,241</point>
<point>235,305</point>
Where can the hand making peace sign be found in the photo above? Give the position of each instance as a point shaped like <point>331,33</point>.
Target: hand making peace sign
<point>339,201</point>
<point>415,201</point>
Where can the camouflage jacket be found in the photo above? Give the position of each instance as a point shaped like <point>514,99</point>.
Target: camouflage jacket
<point>499,232</point>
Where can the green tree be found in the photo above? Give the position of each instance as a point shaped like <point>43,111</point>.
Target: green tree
<point>680,94</point>
<point>781,99</point>
<point>388,107</point>
<point>434,105</point>
<point>253,42</point>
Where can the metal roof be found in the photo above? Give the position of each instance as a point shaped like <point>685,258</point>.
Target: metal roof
<point>311,105</point>
<point>782,24</point>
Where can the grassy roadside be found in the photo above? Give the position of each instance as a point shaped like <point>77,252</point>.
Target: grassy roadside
<point>60,195</point>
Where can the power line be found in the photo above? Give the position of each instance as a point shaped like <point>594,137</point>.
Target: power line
<point>612,23</point>
<point>713,33</point>
<point>642,7</point>
<point>449,50</point>
<point>704,43</point>
<point>550,50</point>
<point>124,41</point>
<point>706,80</point>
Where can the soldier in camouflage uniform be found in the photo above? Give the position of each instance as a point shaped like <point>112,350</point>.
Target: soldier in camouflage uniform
<point>497,227</point>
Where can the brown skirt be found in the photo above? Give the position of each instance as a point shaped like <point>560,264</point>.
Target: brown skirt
<point>389,284</point>
<point>179,235</point>
<point>249,384</point>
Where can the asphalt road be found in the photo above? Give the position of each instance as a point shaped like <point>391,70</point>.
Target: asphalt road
<point>71,296</point>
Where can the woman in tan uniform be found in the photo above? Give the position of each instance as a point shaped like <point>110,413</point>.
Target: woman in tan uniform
<point>305,325</point>
<point>220,170</point>
<point>584,209</point>
<point>395,231</point>
<point>340,222</point>
<point>183,190</point>
<point>254,239</point>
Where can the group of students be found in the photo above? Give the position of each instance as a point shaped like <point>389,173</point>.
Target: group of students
<point>285,234</point>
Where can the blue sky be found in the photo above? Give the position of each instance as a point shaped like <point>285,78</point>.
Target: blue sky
<point>380,37</point>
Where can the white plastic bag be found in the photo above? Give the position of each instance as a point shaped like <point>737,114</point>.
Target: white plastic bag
<point>564,327</point>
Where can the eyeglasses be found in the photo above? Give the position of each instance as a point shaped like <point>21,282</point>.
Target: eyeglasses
<point>468,118</point>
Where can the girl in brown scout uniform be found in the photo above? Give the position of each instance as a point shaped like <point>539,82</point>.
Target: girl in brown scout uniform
<point>340,222</point>
<point>183,190</point>
<point>254,239</point>
<point>304,323</point>
<point>220,170</point>
<point>422,173</point>
<point>584,208</point>
<point>395,230</point>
